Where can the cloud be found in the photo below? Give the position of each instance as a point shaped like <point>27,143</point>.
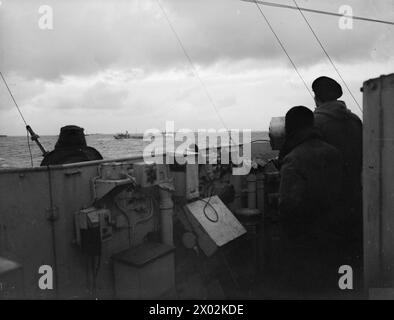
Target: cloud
<point>116,65</point>
<point>243,99</point>
<point>90,36</point>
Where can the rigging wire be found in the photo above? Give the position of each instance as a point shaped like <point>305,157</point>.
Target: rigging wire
<point>13,99</point>
<point>283,48</point>
<point>271,4</point>
<point>23,118</point>
<point>194,69</point>
<point>328,56</point>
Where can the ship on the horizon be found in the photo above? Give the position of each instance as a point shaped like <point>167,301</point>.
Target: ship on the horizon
<point>127,135</point>
<point>3,136</point>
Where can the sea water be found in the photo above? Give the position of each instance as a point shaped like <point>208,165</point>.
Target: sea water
<point>14,151</point>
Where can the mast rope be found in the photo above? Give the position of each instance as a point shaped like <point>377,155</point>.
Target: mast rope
<point>328,56</point>
<point>283,48</point>
<point>23,118</point>
<point>193,68</point>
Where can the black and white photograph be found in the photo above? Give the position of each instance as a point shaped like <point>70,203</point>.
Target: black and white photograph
<point>196,155</point>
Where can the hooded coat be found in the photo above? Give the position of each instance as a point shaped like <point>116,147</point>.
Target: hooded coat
<point>310,174</point>
<point>308,204</point>
<point>71,147</point>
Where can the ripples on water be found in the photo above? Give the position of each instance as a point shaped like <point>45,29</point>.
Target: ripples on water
<point>14,151</point>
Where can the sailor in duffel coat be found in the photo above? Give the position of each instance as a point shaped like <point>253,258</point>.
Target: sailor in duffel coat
<point>343,129</point>
<point>310,172</point>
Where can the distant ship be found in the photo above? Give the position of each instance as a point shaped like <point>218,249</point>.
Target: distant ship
<point>126,135</point>
<point>3,136</point>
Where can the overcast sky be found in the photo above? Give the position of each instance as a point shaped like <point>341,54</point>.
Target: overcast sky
<point>116,65</point>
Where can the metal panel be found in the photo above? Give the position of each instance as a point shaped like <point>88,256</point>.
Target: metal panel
<point>26,232</point>
<point>28,197</point>
<point>378,181</point>
<point>387,176</point>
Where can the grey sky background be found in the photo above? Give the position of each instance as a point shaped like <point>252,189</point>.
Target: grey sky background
<point>115,65</point>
